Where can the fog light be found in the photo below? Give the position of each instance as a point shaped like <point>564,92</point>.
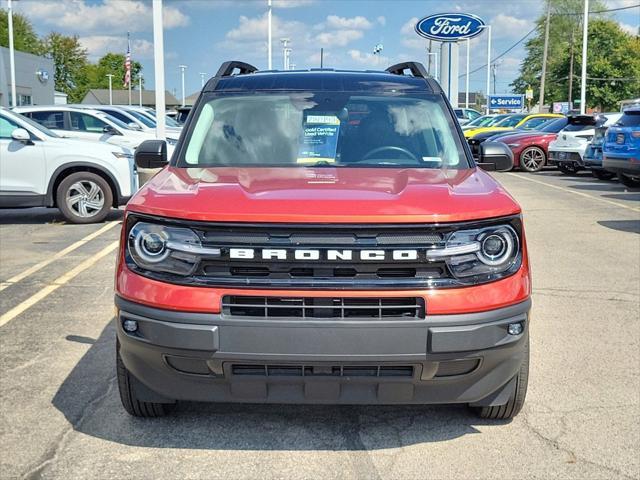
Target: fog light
<point>515,328</point>
<point>132,326</point>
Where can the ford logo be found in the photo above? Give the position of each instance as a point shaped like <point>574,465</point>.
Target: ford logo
<point>449,27</point>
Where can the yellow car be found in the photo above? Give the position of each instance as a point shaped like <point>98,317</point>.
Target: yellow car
<point>517,120</point>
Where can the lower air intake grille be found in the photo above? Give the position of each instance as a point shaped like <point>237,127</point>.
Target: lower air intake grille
<point>320,307</point>
<point>323,371</point>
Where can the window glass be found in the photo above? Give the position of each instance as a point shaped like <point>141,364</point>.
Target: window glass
<point>142,118</point>
<point>629,119</point>
<point>324,128</point>
<point>554,126</point>
<point>86,123</point>
<point>6,127</point>
<point>510,121</point>
<point>472,114</point>
<point>119,115</point>
<point>49,119</point>
<point>534,122</point>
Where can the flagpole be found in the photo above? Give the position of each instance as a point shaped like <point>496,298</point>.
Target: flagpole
<point>130,69</point>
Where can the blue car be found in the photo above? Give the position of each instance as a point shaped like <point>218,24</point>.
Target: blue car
<point>621,149</point>
<point>592,159</point>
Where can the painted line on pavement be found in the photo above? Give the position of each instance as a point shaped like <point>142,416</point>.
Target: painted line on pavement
<point>39,266</point>
<point>57,283</point>
<point>598,199</point>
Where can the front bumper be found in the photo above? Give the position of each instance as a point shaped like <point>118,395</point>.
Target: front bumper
<point>462,358</point>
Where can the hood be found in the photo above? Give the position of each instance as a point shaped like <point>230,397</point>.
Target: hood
<point>323,195</point>
<point>95,145</point>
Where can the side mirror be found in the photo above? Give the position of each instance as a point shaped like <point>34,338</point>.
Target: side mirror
<point>22,136</point>
<point>109,130</point>
<point>495,156</point>
<point>134,126</point>
<point>151,154</point>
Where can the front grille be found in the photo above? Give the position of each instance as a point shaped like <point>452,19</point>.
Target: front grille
<point>321,307</point>
<point>375,371</point>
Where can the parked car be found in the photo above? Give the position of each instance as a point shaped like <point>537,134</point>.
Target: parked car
<point>272,262</point>
<point>466,115</point>
<point>568,149</point>
<point>530,148</point>
<point>516,120</point>
<point>172,127</point>
<point>94,125</point>
<point>484,121</point>
<point>531,125</point>
<point>135,118</point>
<point>182,114</point>
<point>592,159</point>
<point>621,150</point>
<point>84,179</point>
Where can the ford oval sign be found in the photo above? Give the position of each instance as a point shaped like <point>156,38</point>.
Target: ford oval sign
<point>450,27</point>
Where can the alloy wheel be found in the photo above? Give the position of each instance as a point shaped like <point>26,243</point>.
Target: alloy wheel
<point>532,159</point>
<point>85,198</point>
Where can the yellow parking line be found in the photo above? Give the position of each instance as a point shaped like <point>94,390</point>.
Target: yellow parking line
<point>60,254</point>
<point>57,283</point>
<point>598,199</point>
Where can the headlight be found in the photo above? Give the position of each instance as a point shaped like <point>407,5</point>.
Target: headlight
<point>485,253</point>
<point>160,248</point>
<point>171,141</point>
<point>122,155</point>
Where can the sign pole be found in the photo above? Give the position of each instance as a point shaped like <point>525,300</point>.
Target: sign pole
<point>110,76</point>
<point>466,88</point>
<point>12,60</point>
<point>488,27</point>
<point>158,63</point>
<point>583,86</point>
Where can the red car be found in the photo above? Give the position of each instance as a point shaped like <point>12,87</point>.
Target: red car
<point>323,237</point>
<point>530,148</point>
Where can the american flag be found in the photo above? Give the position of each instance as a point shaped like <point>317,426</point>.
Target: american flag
<point>127,63</point>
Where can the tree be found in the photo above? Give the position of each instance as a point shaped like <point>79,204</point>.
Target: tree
<point>70,60</point>
<point>24,36</point>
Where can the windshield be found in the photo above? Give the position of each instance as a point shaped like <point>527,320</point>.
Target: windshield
<point>481,121</point>
<point>535,123</point>
<point>142,118</point>
<point>554,126</point>
<point>37,126</point>
<point>510,121</point>
<point>114,120</point>
<point>629,119</point>
<point>168,121</point>
<point>324,128</point>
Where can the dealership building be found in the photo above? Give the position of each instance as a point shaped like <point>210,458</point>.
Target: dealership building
<point>34,79</point>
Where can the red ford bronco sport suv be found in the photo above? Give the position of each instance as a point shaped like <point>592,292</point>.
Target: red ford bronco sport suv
<point>323,236</point>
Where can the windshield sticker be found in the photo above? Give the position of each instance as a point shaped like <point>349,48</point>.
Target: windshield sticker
<point>319,140</point>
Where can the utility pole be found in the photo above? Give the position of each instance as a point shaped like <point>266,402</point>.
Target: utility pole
<point>269,35</point>
<point>182,69</point>
<point>12,60</point>
<point>321,57</point>
<point>110,76</point>
<point>140,89</point>
<point>285,53</point>
<point>585,36</point>
<point>429,58</point>
<point>571,70</point>
<point>202,74</point>
<point>544,55</point>
<point>493,68</point>
<point>158,63</point>
<point>466,88</point>
<point>488,27</point>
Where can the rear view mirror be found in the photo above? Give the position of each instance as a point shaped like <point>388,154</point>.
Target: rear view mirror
<point>495,156</point>
<point>151,154</point>
<point>22,136</point>
<point>134,126</point>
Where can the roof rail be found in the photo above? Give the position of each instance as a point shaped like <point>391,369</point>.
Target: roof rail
<point>227,68</point>
<point>416,68</point>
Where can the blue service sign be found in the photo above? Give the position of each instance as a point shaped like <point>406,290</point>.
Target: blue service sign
<point>449,27</point>
<point>506,101</point>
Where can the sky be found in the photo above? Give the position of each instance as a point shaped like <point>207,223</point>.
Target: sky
<point>201,34</point>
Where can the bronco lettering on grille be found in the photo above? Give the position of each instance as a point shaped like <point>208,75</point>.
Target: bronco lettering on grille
<point>318,254</point>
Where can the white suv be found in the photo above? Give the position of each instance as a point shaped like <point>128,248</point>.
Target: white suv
<point>84,179</point>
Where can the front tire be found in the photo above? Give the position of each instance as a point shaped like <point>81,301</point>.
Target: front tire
<point>130,401</point>
<point>627,181</point>
<point>84,197</point>
<point>516,400</point>
<point>532,159</point>
<point>568,168</point>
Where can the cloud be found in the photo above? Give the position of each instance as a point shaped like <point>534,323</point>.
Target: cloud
<point>80,16</point>
<point>369,59</point>
<point>358,23</point>
<point>338,38</point>
<point>631,29</point>
<point>381,20</point>
<point>506,26</point>
<point>98,45</point>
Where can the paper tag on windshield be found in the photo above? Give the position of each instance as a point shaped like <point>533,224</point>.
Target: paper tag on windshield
<point>319,140</point>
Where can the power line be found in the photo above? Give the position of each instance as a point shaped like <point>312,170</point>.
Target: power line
<point>601,11</point>
<point>502,54</point>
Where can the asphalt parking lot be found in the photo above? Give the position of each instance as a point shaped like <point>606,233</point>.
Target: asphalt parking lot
<point>61,415</point>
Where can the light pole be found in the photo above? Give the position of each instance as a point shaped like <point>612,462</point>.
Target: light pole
<point>269,36</point>
<point>202,74</point>
<point>140,88</point>
<point>182,69</point>
<point>583,83</point>
<point>285,53</point>
<point>488,27</point>
<point>436,65</point>
<point>466,88</point>
<point>12,60</point>
<point>110,76</point>
<point>158,63</point>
